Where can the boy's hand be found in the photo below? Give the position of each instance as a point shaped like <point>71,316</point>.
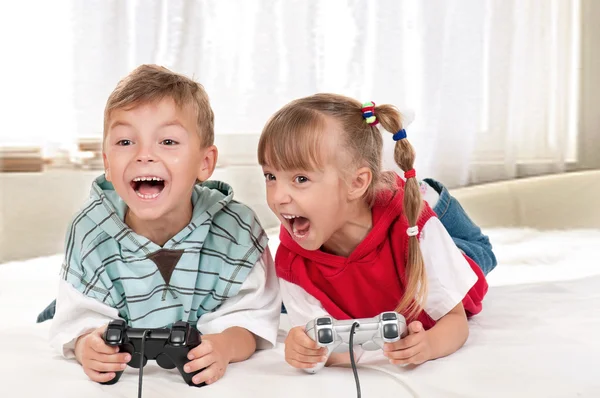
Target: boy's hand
<point>99,360</point>
<point>301,351</point>
<point>412,349</point>
<point>214,354</point>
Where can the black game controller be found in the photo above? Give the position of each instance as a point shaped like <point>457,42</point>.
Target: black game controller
<point>169,347</point>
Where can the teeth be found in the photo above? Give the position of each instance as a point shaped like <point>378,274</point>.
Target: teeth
<point>154,195</point>
<point>147,179</point>
<point>289,217</point>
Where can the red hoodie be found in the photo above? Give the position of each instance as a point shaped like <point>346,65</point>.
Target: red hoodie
<point>371,280</point>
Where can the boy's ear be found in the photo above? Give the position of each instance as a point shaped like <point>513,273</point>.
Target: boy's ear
<point>208,163</point>
<point>361,180</point>
<point>106,167</point>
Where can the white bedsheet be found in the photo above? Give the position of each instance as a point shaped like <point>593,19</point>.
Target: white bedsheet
<point>538,336</point>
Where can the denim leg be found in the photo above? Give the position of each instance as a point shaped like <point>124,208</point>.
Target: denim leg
<point>48,312</point>
<point>466,235</point>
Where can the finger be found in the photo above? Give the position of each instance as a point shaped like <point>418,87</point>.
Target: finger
<point>105,367</point>
<point>306,355</point>
<point>200,363</point>
<point>416,359</point>
<point>415,327</point>
<point>205,348</point>
<point>319,351</point>
<point>300,365</point>
<point>404,354</point>
<point>99,377</point>
<point>303,340</point>
<point>112,358</point>
<point>97,344</point>
<point>403,344</point>
<point>213,373</point>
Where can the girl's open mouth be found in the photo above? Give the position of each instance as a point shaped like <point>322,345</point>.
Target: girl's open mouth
<point>300,226</point>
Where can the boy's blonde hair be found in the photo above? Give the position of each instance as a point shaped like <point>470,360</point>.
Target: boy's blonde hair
<point>149,83</point>
<point>292,138</point>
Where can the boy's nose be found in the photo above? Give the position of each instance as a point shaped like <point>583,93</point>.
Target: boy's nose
<point>145,158</point>
<point>145,155</point>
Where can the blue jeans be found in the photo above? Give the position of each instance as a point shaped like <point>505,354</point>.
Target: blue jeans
<point>466,235</point>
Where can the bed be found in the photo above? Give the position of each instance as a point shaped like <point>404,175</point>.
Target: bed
<point>536,337</point>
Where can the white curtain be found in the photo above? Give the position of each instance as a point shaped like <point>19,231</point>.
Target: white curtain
<point>492,83</point>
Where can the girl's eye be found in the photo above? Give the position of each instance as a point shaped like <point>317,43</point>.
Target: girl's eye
<point>301,179</point>
<point>124,142</point>
<point>169,142</point>
<point>269,177</point>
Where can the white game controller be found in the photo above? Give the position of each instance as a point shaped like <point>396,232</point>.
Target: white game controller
<point>370,334</point>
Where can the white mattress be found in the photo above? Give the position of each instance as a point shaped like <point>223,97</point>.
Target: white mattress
<point>538,336</point>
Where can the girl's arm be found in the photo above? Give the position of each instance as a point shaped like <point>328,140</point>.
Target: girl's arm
<point>449,334</point>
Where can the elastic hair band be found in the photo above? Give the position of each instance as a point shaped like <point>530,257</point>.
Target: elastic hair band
<point>400,135</point>
<point>412,231</point>
<point>410,174</point>
<point>368,112</point>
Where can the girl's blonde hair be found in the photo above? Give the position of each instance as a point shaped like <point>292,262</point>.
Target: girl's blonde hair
<point>291,140</point>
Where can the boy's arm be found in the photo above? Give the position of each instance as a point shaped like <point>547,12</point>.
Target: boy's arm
<point>75,316</point>
<point>77,313</point>
<point>250,319</point>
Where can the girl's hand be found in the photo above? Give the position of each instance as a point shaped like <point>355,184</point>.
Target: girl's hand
<point>301,351</point>
<point>412,349</point>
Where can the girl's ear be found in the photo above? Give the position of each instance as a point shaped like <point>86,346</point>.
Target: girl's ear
<point>361,181</point>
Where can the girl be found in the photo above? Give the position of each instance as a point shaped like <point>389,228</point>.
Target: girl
<point>357,241</point>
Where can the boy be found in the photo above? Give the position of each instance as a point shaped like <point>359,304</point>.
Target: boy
<point>154,246</point>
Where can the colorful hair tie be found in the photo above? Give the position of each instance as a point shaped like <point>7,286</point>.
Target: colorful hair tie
<point>410,174</point>
<point>400,135</point>
<point>368,112</point>
<point>412,231</point>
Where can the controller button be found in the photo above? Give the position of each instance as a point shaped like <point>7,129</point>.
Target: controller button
<point>389,316</point>
<point>325,336</point>
<point>177,336</point>
<point>113,335</point>
<point>390,331</point>
<point>323,321</point>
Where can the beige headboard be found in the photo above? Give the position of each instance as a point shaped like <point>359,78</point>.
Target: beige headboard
<point>561,201</point>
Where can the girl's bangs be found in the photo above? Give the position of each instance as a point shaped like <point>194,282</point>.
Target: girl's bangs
<point>291,140</point>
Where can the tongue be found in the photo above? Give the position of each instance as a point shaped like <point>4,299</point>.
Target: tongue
<point>147,188</point>
<point>301,225</point>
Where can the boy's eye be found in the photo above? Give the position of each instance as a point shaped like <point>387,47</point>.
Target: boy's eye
<point>301,179</point>
<point>124,142</point>
<point>269,177</point>
<point>169,142</point>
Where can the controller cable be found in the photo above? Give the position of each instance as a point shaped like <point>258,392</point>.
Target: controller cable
<point>141,372</point>
<point>352,361</point>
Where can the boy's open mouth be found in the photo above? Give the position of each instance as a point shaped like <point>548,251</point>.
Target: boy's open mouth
<point>148,187</point>
<point>299,225</point>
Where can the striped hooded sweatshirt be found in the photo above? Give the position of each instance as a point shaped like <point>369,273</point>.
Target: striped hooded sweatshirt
<point>152,286</point>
